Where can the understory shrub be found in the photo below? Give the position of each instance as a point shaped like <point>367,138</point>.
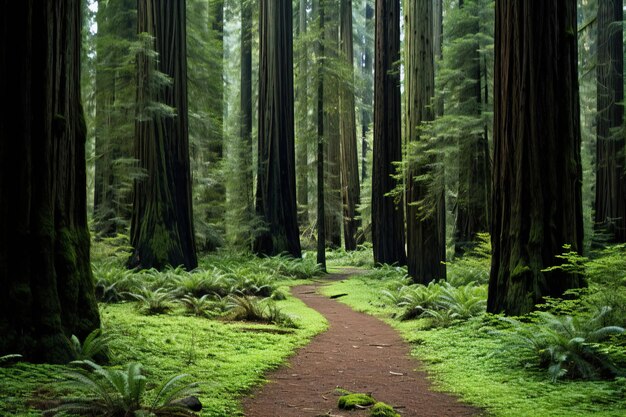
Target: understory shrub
<point>567,346</point>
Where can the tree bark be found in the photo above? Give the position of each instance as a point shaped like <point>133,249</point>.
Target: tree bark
<point>276,179</point>
<point>537,172</point>
<point>332,137</point>
<point>610,201</point>
<point>425,249</point>
<point>387,218</point>
<point>350,187</point>
<point>48,292</point>
<point>162,223</point>
<point>321,216</point>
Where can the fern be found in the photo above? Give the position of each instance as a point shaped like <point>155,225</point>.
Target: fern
<point>153,301</point>
<point>567,345</point>
<point>95,345</point>
<point>111,392</point>
<point>202,307</point>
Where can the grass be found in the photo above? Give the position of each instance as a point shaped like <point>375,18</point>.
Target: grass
<point>467,359</point>
<point>227,358</point>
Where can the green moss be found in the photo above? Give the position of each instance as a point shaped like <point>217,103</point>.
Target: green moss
<point>383,410</point>
<point>161,244</point>
<point>351,401</point>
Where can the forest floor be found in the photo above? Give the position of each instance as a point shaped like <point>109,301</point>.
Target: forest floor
<point>358,353</point>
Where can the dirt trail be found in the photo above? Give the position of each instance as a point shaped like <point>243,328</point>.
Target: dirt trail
<point>358,353</point>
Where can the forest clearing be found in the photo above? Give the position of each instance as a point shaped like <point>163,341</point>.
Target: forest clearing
<point>307,208</point>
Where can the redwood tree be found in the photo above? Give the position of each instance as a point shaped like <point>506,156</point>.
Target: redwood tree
<point>610,202</point>
<point>162,224</point>
<point>276,177</point>
<point>387,217</point>
<point>537,172</point>
<point>350,188</point>
<point>426,246</point>
<point>47,286</point>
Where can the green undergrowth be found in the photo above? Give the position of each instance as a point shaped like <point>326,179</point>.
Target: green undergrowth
<point>226,357</point>
<point>468,358</point>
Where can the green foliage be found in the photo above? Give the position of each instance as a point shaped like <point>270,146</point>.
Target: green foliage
<point>93,347</point>
<point>567,345</point>
<point>351,401</point>
<point>363,256</point>
<point>111,392</point>
<point>440,301</point>
<point>150,301</point>
<point>201,307</point>
<point>248,308</point>
<point>474,266</point>
<point>381,409</point>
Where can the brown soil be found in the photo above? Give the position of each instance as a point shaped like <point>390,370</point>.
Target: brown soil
<point>358,353</point>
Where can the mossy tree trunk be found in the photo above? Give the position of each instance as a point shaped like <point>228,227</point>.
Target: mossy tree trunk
<point>610,201</point>
<point>350,187</point>
<point>276,177</point>
<point>162,224</point>
<point>426,249</point>
<point>537,172</point>
<point>387,217</point>
<point>45,270</point>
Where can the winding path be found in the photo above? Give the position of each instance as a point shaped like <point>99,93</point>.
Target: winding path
<point>358,353</point>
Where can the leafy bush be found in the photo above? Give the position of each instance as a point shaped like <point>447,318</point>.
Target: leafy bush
<point>110,392</point>
<point>567,345</point>
<point>464,302</point>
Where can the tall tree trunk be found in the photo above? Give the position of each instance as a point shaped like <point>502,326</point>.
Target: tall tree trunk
<point>387,218</point>
<point>117,27</point>
<point>302,165</point>
<point>472,206</point>
<point>45,270</point>
<point>332,137</point>
<point>610,202</point>
<point>276,179</point>
<point>368,85</point>
<point>537,173</point>
<point>246,180</point>
<point>350,187</point>
<point>321,217</point>
<point>162,223</point>
<point>425,250</point>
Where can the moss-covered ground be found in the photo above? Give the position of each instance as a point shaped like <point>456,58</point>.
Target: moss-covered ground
<point>227,358</point>
<point>468,359</point>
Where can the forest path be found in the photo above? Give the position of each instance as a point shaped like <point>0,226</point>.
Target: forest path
<point>359,353</point>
